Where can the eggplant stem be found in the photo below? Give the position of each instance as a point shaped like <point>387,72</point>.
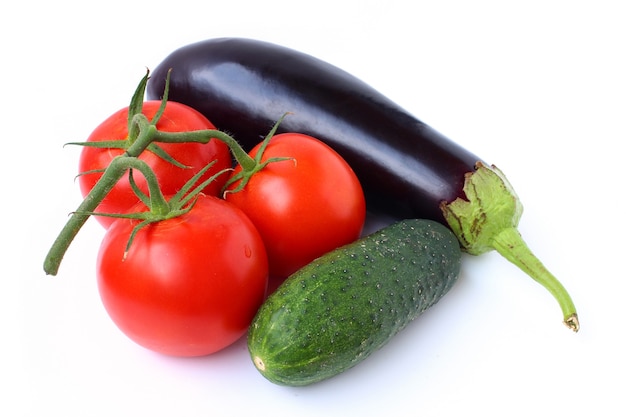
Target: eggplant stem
<point>487,219</point>
<point>510,244</point>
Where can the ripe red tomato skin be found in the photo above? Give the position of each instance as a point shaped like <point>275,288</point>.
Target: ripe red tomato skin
<point>190,286</point>
<point>176,118</point>
<point>305,207</point>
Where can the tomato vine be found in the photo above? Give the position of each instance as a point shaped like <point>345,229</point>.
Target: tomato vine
<point>143,135</point>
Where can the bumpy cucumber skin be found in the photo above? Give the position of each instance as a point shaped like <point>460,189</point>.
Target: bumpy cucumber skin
<point>336,311</point>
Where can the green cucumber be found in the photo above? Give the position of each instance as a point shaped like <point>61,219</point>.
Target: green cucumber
<point>333,313</point>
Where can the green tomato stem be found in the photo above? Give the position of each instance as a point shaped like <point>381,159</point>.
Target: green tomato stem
<point>147,134</point>
<point>488,218</point>
<point>251,166</point>
<point>158,203</point>
<point>204,136</point>
<point>109,178</point>
<point>143,134</point>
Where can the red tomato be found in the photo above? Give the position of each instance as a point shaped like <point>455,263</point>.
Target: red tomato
<point>189,286</point>
<point>304,207</point>
<point>176,118</point>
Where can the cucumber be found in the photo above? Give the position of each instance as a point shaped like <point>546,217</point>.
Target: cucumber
<point>333,313</point>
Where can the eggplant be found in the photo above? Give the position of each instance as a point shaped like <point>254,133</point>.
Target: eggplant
<point>244,86</point>
<point>407,168</point>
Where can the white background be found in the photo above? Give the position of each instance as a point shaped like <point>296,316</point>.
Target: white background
<point>536,87</point>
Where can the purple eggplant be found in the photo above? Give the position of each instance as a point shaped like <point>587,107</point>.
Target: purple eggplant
<point>407,169</point>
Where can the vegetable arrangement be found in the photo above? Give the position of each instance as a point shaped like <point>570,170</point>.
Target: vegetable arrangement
<point>210,235</point>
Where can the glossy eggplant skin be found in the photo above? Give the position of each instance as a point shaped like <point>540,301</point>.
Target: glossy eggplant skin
<point>244,86</point>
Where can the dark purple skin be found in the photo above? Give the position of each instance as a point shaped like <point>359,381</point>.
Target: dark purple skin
<point>406,168</point>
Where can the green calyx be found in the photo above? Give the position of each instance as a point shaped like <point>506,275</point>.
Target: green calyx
<point>159,208</point>
<point>249,165</point>
<point>491,206</point>
<point>487,220</point>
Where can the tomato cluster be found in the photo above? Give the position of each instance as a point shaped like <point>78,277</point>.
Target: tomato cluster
<point>189,284</point>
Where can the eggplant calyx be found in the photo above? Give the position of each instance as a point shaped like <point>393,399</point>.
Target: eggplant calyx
<point>487,220</point>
